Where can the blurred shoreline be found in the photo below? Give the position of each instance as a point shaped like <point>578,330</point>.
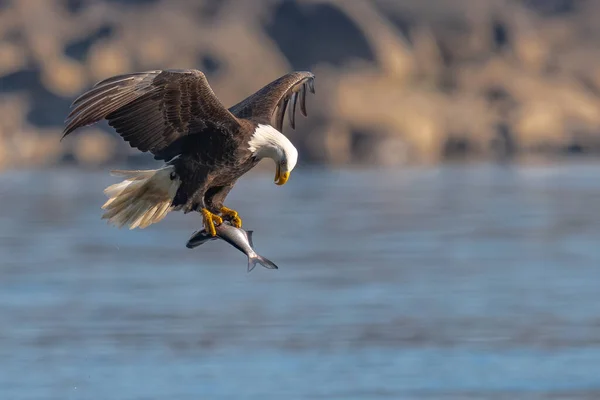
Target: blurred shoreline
<point>398,82</point>
<point>525,163</point>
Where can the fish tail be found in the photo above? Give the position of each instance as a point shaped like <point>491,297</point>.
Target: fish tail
<point>258,259</point>
<point>142,199</point>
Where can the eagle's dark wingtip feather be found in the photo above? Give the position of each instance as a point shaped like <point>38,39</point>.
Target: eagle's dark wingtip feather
<point>281,114</point>
<point>311,84</point>
<point>106,97</point>
<point>118,78</point>
<point>292,111</point>
<point>68,129</point>
<point>303,100</point>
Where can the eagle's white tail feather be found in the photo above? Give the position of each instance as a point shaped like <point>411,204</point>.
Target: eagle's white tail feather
<point>142,199</point>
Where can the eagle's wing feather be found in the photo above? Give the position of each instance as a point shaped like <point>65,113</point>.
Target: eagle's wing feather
<point>274,99</point>
<point>153,110</point>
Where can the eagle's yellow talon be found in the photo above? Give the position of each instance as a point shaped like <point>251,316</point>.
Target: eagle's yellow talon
<point>210,220</point>
<point>232,215</point>
<point>237,222</point>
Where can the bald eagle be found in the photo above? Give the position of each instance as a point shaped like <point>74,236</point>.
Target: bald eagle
<point>175,115</point>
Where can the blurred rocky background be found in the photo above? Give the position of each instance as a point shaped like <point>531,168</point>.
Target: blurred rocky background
<point>398,81</point>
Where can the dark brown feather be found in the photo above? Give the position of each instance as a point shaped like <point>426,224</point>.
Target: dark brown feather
<point>274,98</point>
<point>281,114</point>
<point>303,100</point>
<point>292,112</point>
<point>152,110</point>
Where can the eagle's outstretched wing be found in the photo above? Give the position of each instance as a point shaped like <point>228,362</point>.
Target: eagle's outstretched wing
<point>289,89</point>
<point>153,110</point>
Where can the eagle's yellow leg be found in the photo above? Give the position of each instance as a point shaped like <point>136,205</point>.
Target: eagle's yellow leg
<point>210,220</point>
<point>232,215</point>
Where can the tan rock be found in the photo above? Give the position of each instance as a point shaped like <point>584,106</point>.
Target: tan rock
<point>421,91</point>
<point>64,77</point>
<point>93,147</point>
<point>13,58</point>
<point>540,123</point>
<point>108,59</point>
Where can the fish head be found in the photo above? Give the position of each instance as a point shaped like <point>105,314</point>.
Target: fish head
<point>199,238</point>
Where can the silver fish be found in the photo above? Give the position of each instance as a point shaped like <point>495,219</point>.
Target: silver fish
<point>238,238</point>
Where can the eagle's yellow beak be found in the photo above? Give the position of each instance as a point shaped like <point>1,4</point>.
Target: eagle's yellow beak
<point>281,177</point>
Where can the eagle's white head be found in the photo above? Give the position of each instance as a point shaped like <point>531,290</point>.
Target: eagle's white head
<point>268,142</point>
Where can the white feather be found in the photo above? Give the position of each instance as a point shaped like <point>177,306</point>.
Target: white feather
<point>268,142</point>
<point>144,198</point>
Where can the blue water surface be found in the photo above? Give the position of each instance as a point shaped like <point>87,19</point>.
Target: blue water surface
<point>456,282</point>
